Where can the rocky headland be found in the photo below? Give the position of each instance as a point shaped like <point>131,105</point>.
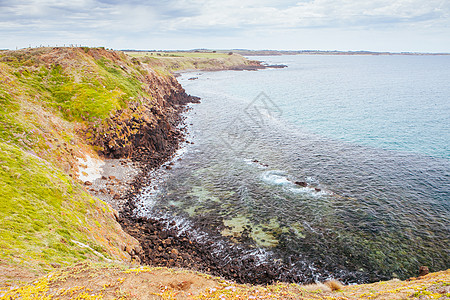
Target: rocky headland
<point>81,129</point>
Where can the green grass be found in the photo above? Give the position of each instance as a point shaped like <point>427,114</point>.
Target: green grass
<point>69,84</point>
<point>41,211</point>
<point>8,107</point>
<point>23,120</point>
<point>42,104</point>
<point>88,98</point>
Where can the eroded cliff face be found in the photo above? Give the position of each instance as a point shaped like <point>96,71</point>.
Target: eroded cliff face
<point>147,129</point>
<point>117,104</point>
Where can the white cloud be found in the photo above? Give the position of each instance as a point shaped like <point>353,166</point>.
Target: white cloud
<point>324,13</point>
<point>113,20</point>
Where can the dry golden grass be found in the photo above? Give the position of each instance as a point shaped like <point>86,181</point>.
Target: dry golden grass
<point>95,281</point>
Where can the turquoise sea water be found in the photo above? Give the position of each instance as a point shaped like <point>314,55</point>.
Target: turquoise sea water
<point>337,166</point>
<point>390,102</point>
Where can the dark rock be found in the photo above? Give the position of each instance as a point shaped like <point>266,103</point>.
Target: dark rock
<point>276,66</point>
<point>423,270</point>
<point>88,183</point>
<point>301,183</point>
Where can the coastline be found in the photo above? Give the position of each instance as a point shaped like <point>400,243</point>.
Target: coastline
<point>372,271</point>
<point>161,241</point>
<point>164,245</point>
<point>161,244</point>
<point>183,62</point>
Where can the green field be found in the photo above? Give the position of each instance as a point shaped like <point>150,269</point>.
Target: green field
<point>179,61</point>
<point>170,54</point>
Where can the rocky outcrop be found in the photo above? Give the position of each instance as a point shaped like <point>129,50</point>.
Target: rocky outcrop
<point>166,248</point>
<point>146,129</point>
<point>211,62</point>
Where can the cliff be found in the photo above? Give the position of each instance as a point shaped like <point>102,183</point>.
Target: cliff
<point>61,107</point>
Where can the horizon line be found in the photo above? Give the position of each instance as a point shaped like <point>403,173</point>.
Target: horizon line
<point>299,51</point>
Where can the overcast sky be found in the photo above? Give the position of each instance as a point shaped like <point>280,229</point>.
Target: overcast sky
<point>377,25</point>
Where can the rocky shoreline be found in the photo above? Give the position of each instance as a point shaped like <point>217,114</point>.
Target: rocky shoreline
<point>163,244</point>
<point>136,140</point>
<point>123,178</point>
<point>141,139</point>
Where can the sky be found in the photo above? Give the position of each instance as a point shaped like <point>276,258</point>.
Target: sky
<point>373,25</point>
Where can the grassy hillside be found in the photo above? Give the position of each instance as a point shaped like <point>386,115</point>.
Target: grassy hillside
<point>48,95</point>
<point>48,220</point>
<point>54,103</point>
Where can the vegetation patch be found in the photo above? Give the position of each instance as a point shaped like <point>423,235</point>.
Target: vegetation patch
<point>106,281</point>
<point>47,219</point>
<point>169,62</point>
<point>44,213</point>
<point>86,95</point>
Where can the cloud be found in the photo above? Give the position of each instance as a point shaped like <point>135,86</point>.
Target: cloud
<point>323,13</point>
<point>118,20</point>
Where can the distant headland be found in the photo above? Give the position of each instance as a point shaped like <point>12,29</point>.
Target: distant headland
<point>247,52</point>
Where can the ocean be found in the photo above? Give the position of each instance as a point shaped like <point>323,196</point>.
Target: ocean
<point>334,167</point>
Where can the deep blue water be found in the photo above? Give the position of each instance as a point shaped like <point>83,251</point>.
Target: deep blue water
<point>368,136</point>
